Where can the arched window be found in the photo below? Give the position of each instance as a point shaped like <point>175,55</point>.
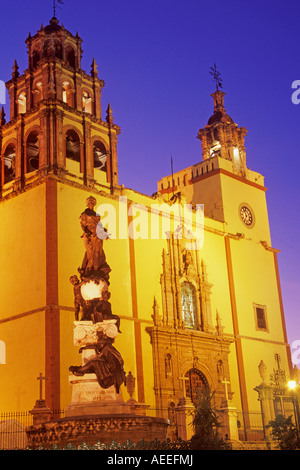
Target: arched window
<point>195,383</point>
<point>58,50</point>
<point>86,102</point>
<point>70,57</point>
<point>9,163</point>
<point>32,152</point>
<point>72,146</point>
<point>35,58</point>
<point>67,93</point>
<point>37,93</point>
<point>189,305</point>
<point>22,103</point>
<point>100,156</point>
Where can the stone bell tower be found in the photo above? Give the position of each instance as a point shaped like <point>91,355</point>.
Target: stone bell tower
<point>56,116</point>
<point>55,149</point>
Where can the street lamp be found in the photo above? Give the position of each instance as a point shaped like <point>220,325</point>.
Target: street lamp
<point>292,385</point>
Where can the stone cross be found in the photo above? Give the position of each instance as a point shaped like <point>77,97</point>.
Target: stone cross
<point>184,379</point>
<point>226,382</point>
<point>40,378</point>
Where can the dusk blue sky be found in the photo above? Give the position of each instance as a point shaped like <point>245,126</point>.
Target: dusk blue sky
<point>154,57</point>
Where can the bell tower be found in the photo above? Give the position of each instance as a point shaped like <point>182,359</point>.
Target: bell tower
<point>56,123</point>
<point>222,137</point>
<point>55,151</point>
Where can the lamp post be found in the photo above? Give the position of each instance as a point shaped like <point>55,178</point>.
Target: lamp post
<point>293,387</point>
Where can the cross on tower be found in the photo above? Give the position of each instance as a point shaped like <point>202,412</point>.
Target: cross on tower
<point>55,2</point>
<point>216,76</point>
<point>41,378</point>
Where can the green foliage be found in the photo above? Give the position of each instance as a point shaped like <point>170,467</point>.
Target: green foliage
<point>206,423</point>
<point>285,432</point>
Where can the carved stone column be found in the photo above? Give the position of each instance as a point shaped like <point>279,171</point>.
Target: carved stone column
<point>266,397</point>
<point>88,154</point>
<point>20,155</point>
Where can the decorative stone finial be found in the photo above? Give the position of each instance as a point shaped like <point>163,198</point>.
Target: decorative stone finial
<point>109,116</point>
<point>2,117</point>
<point>15,73</point>
<point>94,71</point>
<point>156,316</point>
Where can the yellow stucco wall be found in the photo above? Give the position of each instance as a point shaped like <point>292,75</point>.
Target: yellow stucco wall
<point>23,298</point>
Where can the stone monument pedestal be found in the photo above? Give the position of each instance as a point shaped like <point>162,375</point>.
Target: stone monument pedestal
<point>88,398</point>
<point>97,414</point>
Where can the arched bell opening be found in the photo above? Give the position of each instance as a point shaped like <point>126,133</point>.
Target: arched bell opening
<point>9,163</point>
<point>22,103</point>
<point>86,102</point>
<point>68,93</point>
<point>32,152</point>
<point>37,93</point>
<point>100,156</point>
<point>70,57</point>
<point>36,57</point>
<point>72,146</point>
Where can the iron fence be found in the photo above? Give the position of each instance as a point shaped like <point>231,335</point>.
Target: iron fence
<point>250,426</point>
<point>13,428</point>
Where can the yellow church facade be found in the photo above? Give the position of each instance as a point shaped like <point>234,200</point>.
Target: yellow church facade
<point>197,290</point>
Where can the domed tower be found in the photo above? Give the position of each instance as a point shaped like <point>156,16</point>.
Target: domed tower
<point>222,137</point>
<point>56,121</point>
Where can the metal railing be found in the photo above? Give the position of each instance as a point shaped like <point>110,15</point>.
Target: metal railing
<point>250,426</point>
<point>13,428</point>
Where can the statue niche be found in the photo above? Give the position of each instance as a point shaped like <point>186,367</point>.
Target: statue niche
<point>95,325</point>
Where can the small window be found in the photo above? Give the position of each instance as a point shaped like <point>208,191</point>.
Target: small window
<point>260,317</point>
